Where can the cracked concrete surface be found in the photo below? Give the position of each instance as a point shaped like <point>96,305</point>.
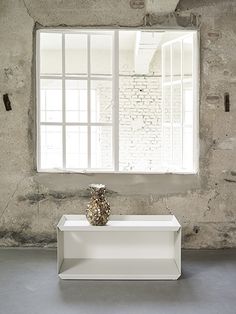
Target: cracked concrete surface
<point>31,203</point>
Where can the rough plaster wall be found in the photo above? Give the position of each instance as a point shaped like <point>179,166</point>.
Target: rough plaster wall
<point>31,204</point>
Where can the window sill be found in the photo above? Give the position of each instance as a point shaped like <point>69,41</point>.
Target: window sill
<point>121,183</point>
<point>102,171</point>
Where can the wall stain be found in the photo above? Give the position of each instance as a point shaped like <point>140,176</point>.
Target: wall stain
<point>25,238</point>
<point>230,180</point>
<point>34,198</point>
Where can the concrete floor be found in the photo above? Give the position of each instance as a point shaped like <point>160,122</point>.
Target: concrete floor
<point>29,285</point>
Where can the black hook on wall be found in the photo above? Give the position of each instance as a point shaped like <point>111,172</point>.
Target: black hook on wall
<point>7,102</point>
<point>227,102</point>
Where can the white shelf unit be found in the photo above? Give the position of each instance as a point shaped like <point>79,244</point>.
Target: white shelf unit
<point>129,247</point>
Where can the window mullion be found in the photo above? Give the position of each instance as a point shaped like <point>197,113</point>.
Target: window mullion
<point>89,98</point>
<point>195,87</point>
<point>182,105</point>
<point>163,70</point>
<point>38,44</point>
<point>63,104</point>
<point>115,107</point>
<point>171,101</point>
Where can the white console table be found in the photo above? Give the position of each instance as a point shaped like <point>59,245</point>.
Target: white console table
<point>133,247</point>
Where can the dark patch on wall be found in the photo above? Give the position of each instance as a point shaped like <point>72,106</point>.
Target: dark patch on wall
<point>188,236</point>
<point>175,18</point>
<point>213,99</point>
<point>214,61</point>
<point>8,73</point>
<point>32,197</point>
<point>213,35</point>
<point>61,195</point>
<point>184,21</point>
<point>230,180</point>
<point>137,4</point>
<point>25,238</point>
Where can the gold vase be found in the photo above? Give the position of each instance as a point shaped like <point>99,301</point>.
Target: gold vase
<point>98,209</point>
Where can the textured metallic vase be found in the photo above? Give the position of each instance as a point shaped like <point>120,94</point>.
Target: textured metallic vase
<point>98,209</point>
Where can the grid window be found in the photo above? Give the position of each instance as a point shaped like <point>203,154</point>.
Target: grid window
<point>117,101</point>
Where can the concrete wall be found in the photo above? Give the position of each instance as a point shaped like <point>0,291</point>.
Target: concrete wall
<point>31,203</point>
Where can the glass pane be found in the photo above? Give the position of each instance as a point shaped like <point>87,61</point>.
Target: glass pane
<point>176,103</point>
<point>188,96</point>
<point>127,62</point>
<point>167,144</point>
<point>76,147</point>
<point>51,146</point>
<point>50,54</point>
<point>101,101</point>
<point>101,147</point>
<point>187,148</point>
<point>76,54</point>
<point>139,144</point>
<point>177,147</point>
<point>140,128</point>
<point>167,104</point>
<point>167,63</point>
<point>50,100</point>
<point>187,56</point>
<point>176,61</point>
<point>188,104</point>
<point>101,54</point>
<point>76,101</point>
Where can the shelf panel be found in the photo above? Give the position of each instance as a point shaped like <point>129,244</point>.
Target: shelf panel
<point>121,223</point>
<point>121,269</point>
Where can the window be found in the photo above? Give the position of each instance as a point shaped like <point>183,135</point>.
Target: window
<point>117,101</point>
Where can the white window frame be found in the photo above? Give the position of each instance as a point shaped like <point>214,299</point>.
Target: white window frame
<point>194,81</point>
<point>115,102</point>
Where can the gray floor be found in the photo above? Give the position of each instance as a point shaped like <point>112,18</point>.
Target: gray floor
<point>29,285</point>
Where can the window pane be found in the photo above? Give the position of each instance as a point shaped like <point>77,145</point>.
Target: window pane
<point>76,101</point>
<point>188,104</point>
<point>188,96</point>
<point>101,54</point>
<point>50,54</point>
<point>51,100</point>
<point>76,54</point>
<point>177,147</point>
<point>167,146</point>
<point>140,123</point>
<point>167,104</point>
<point>176,103</point>
<point>101,147</point>
<point>167,63</point>
<point>76,147</point>
<point>127,54</point>
<point>176,61</point>
<point>140,101</point>
<point>187,56</point>
<point>101,101</point>
<point>139,146</point>
<point>51,146</point>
